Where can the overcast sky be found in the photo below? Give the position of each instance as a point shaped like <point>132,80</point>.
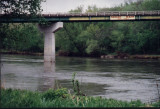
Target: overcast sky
<point>67,5</point>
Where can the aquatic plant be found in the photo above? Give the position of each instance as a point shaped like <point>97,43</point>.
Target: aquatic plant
<point>76,86</point>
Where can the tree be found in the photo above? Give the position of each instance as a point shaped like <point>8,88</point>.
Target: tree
<point>11,34</point>
<point>23,37</point>
<point>92,9</point>
<point>78,9</point>
<point>20,7</point>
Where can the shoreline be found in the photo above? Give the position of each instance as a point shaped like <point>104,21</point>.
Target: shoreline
<point>21,53</point>
<point>137,56</point>
<point>119,56</point>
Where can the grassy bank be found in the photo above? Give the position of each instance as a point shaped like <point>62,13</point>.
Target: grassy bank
<point>59,98</point>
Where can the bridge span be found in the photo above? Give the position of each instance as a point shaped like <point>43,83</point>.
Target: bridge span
<point>57,20</point>
<point>87,17</point>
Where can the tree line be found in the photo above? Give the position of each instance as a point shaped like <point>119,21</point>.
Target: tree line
<point>99,38</point>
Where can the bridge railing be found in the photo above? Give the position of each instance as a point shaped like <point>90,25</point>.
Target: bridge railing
<point>107,13</point>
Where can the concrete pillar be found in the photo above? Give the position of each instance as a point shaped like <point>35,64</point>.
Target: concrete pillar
<point>49,40</point>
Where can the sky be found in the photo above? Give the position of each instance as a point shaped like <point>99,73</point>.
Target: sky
<point>66,5</point>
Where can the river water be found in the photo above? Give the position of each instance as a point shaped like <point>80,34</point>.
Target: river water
<point>119,79</point>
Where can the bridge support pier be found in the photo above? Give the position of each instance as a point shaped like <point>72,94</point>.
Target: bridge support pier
<point>49,40</point>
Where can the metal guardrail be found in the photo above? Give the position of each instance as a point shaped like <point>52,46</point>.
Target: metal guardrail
<point>107,13</point>
<point>101,14</point>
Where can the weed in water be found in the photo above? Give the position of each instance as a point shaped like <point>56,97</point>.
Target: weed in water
<point>76,87</point>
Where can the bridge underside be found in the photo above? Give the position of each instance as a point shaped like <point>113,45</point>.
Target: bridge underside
<point>81,19</point>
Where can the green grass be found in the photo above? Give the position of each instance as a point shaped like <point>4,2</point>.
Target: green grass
<point>59,98</point>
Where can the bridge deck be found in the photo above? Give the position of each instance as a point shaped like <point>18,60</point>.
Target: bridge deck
<point>87,17</point>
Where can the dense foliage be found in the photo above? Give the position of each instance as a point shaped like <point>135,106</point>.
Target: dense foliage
<point>98,38</point>
<point>20,7</point>
<point>20,37</point>
<point>14,98</point>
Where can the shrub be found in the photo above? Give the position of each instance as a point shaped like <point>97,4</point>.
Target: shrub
<point>53,94</point>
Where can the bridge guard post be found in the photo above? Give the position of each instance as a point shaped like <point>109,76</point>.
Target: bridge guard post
<point>49,40</point>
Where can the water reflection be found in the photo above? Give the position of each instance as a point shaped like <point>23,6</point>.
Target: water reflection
<point>47,77</point>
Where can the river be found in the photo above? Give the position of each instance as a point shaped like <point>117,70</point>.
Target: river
<point>110,78</point>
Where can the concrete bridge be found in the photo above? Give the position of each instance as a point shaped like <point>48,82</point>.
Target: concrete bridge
<point>57,20</point>
<point>88,17</point>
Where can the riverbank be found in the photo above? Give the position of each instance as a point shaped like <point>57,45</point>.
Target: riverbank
<point>115,56</point>
<point>157,57</point>
<point>15,98</point>
<point>20,52</point>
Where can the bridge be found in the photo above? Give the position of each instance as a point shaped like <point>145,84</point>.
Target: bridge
<point>57,20</point>
<point>88,17</point>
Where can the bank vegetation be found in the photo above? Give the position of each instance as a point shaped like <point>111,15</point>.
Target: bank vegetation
<point>16,98</point>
